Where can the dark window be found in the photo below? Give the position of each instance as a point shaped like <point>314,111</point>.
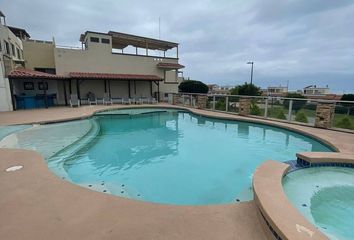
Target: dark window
<point>105,40</point>
<point>13,49</point>
<point>46,70</point>
<point>0,47</point>
<point>94,39</point>
<point>18,53</point>
<point>7,47</point>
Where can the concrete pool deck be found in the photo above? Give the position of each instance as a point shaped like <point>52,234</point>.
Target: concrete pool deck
<point>38,205</point>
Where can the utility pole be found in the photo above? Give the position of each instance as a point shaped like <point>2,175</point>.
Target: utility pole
<point>251,71</point>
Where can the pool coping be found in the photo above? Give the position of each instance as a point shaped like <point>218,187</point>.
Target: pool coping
<point>264,199</point>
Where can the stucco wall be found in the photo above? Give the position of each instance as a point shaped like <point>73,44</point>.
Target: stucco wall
<point>38,54</point>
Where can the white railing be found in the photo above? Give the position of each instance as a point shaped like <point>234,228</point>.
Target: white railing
<point>292,110</point>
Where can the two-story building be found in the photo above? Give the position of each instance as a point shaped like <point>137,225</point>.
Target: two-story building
<point>101,65</point>
<point>278,91</point>
<point>11,56</point>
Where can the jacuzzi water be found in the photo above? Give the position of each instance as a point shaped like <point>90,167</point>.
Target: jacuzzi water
<point>162,156</point>
<point>325,196</point>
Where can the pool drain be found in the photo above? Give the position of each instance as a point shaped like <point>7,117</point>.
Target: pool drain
<point>13,168</point>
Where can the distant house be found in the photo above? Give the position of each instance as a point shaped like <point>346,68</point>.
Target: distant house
<point>313,90</point>
<point>279,91</point>
<point>219,90</point>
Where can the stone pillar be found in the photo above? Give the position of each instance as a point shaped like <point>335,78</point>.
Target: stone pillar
<point>201,101</point>
<point>244,106</point>
<point>324,115</point>
<point>174,99</point>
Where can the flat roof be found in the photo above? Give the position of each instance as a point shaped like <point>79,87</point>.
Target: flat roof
<point>122,40</point>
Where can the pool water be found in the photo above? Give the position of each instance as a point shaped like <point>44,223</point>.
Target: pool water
<point>325,196</point>
<point>164,156</point>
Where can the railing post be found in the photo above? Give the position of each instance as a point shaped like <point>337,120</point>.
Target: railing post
<point>214,102</point>
<point>190,101</point>
<point>227,104</point>
<point>183,103</point>
<point>266,108</point>
<point>290,110</point>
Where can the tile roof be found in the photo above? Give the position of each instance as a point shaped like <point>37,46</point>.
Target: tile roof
<point>27,73</point>
<point>88,75</point>
<point>170,65</point>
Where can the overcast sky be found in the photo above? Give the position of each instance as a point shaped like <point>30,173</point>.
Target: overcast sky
<point>301,41</point>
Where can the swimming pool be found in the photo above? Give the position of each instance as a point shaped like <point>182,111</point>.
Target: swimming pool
<point>162,155</point>
<point>325,196</point>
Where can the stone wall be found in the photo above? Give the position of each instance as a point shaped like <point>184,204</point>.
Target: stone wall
<point>245,106</point>
<point>201,101</point>
<point>324,115</point>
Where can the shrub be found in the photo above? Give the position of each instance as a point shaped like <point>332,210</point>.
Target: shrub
<point>254,109</point>
<point>281,115</point>
<point>191,86</point>
<point>301,117</point>
<point>220,104</point>
<point>297,105</point>
<point>345,122</point>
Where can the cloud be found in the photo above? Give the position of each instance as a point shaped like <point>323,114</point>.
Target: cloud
<point>305,42</point>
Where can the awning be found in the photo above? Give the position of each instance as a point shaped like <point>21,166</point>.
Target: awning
<point>22,73</point>
<point>169,65</point>
<point>113,76</point>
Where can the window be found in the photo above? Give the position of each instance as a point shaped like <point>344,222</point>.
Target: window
<point>105,40</point>
<point>7,47</point>
<point>46,70</point>
<point>0,47</point>
<point>18,53</point>
<point>13,49</point>
<point>94,39</point>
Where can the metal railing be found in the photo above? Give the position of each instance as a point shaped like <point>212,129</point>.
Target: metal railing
<point>291,110</point>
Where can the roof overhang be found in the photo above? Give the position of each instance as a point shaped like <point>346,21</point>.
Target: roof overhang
<point>22,73</point>
<point>113,76</point>
<point>19,32</point>
<point>169,65</point>
<point>122,40</point>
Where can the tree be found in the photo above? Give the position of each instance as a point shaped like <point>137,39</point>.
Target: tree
<point>246,89</point>
<point>297,105</point>
<point>348,97</point>
<point>191,86</point>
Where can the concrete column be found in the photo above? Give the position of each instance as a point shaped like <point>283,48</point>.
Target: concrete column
<point>201,101</point>
<point>245,106</point>
<point>324,115</point>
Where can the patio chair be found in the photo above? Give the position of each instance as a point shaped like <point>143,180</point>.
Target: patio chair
<point>126,101</point>
<point>132,100</point>
<point>74,100</point>
<point>152,100</point>
<point>144,100</point>
<point>91,98</point>
<point>106,99</point>
<point>117,100</point>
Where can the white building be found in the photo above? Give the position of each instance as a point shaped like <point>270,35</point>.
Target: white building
<point>313,90</point>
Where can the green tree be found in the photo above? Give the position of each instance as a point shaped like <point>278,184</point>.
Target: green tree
<point>297,104</point>
<point>246,89</point>
<point>349,106</point>
<point>192,86</point>
<point>301,117</point>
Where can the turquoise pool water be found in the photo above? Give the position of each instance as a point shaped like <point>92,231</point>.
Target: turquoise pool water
<point>325,196</point>
<point>167,156</point>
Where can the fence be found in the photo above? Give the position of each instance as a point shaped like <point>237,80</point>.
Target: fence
<point>311,112</point>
